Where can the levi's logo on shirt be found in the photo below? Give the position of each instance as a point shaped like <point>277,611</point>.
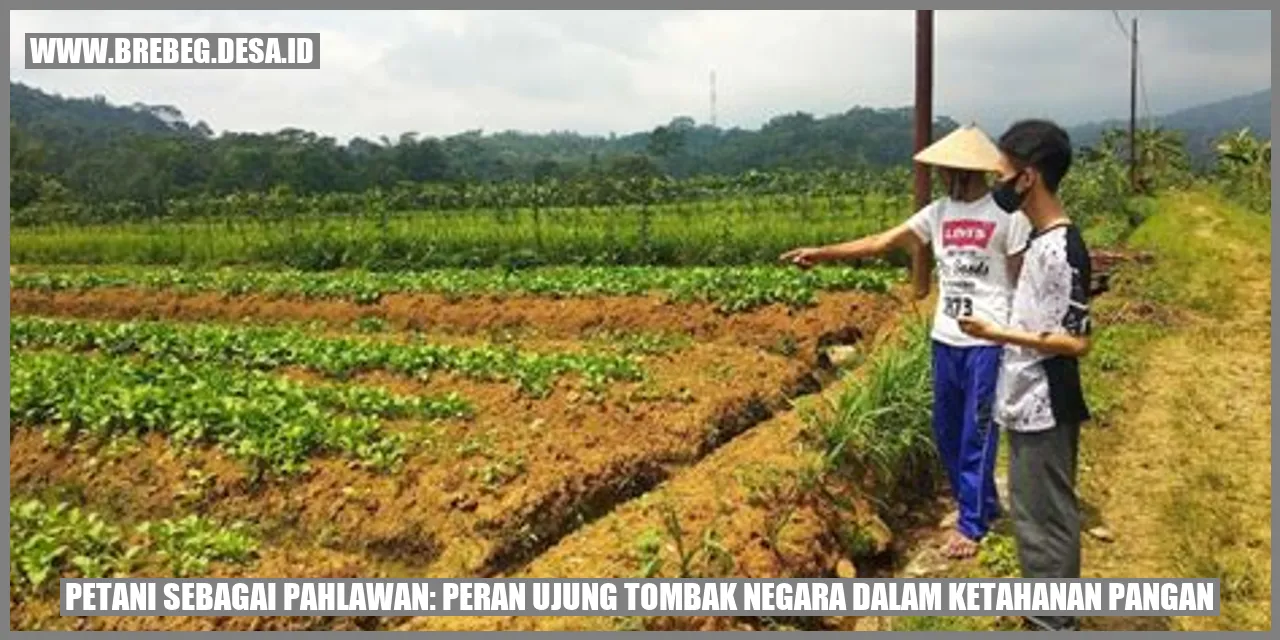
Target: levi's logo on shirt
<point>967,233</point>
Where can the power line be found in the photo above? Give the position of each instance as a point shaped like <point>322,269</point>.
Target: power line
<point>1120,24</point>
<point>1142,84</point>
<point>1140,63</point>
<point>1133,106</point>
<point>1142,81</point>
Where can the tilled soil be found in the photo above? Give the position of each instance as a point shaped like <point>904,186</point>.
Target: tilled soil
<point>481,497</point>
<point>753,498</point>
<point>835,319</point>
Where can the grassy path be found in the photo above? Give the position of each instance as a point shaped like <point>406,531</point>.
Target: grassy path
<point>1181,473</point>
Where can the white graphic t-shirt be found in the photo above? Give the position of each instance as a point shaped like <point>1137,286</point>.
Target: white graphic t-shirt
<point>972,243</point>
<point>1036,391</point>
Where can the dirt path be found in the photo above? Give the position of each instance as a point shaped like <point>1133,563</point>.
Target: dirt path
<point>1182,477</point>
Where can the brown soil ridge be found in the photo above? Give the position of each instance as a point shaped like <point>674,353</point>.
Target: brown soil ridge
<point>297,562</point>
<point>830,321</point>
<point>579,459</point>
<point>749,495</point>
<point>804,547</point>
<point>378,511</point>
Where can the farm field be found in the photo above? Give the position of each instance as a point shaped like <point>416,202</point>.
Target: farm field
<point>598,379</point>
<point>383,236</point>
<point>243,422</point>
<point>301,329</point>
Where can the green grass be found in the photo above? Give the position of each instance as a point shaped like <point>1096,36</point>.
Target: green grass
<point>880,423</point>
<point>1113,228</point>
<point>1202,244</point>
<point>1115,355</point>
<point>1210,244</point>
<point>1192,273</point>
<point>1195,262</point>
<point>998,555</point>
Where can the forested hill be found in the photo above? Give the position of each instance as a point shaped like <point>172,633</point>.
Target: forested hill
<point>43,113</point>
<point>104,152</point>
<point>1201,125</point>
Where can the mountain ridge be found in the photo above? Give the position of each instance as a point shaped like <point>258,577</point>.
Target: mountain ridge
<point>1200,124</point>
<point>1252,110</point>
<point>105,152</point>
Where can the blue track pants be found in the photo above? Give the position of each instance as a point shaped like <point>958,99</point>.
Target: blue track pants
<point>964,385</point>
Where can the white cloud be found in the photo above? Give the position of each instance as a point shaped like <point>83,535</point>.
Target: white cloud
<point>440,72</point>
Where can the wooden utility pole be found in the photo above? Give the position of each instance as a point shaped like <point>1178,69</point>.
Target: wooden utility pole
<point>924,100</point>
<point>921,271</point>
<point>1133,107</point>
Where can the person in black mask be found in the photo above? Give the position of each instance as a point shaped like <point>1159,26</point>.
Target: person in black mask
<point>1039,399</point>
<point>976,247</point>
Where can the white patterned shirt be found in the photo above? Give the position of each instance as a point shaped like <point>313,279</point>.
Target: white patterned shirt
<point>1037,390</point>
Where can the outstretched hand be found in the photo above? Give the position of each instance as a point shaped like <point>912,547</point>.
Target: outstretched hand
<point>804,257</point>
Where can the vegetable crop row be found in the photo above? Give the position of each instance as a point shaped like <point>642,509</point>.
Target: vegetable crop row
<point>336,357</point>
<point>736,232</point>
<point>778,188</point>
<point>731,289</point>
<point>272,423</point>
<point>52,540</point>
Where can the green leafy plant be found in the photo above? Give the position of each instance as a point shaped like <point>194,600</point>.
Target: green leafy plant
<point>189,544</point>
<point>1244,168</point>
<point>998,554</point>
<point>371,324</point>
<point>732,289</point>
<point>46,541</point>
<point>273,423</point>
<point>649,552</point>
<point>497,471</point>
<point>52,540</point>
<point>265,348</point>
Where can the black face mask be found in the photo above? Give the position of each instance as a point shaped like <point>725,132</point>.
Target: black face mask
<point>957,185</point>
<point>1007,196</point>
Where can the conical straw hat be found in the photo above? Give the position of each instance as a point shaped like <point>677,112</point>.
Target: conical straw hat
<point>965,148</point>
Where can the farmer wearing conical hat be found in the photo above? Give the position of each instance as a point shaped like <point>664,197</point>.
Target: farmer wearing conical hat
<point>977,247</point>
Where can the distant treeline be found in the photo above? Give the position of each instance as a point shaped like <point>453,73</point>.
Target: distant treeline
<point>93,151</point>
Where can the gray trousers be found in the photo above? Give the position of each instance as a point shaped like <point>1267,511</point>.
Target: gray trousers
<point>1046,514</point>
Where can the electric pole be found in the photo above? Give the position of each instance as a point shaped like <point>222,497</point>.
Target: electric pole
<point>1133,107</point>
<point>924,100</point>
<point>921,270</point>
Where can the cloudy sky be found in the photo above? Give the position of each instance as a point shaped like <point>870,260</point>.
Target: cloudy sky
<point>441,72</point>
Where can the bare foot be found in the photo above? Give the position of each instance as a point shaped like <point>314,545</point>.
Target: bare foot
<point>959,547</point>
